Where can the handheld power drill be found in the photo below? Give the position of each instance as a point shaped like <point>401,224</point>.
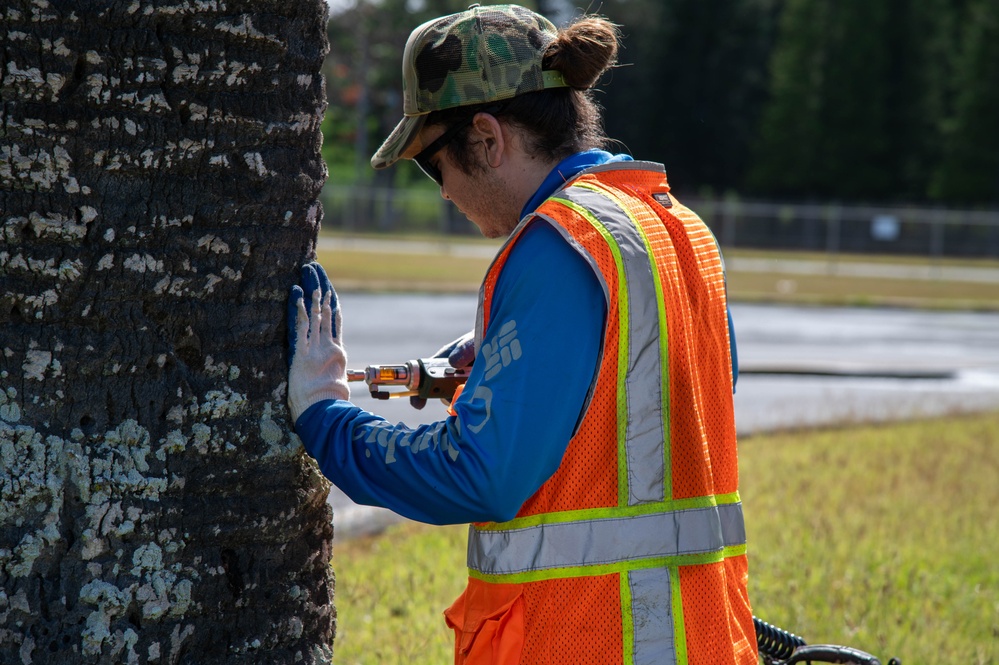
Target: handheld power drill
<point>424,377</point>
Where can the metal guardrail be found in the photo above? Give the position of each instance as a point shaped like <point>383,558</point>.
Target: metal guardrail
<point>832,228</point>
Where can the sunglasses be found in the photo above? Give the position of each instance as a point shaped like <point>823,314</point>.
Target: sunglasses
<point>423,158</point>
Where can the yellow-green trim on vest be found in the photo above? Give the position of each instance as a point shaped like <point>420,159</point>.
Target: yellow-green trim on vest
<point>668,536</point>
<point>612,194</point>
<point>627,620</point>
<point>622,348</point>
<point>638,277</point>
<point>611,568</point>
<point>644,535</point>
<point>679,625</point>
<point>600,513</point>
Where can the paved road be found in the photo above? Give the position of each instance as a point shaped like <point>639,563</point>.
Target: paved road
<point>818,366</point>
<point>801,366</point>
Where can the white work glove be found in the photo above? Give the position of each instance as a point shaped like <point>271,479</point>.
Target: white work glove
<point>317,361</point>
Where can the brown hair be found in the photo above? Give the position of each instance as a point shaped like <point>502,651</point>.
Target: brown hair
<point>557,122</point>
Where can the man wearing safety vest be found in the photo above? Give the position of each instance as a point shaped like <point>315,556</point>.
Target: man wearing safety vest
<point>593,448</point>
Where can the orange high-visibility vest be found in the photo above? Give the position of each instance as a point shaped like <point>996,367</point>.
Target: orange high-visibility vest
<point>634,551</point>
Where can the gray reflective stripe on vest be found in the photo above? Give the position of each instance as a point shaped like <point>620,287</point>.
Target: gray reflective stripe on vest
<point>603,541</point>
<point>646,433</point>
<point>644,549</point>
<point>652,617</point>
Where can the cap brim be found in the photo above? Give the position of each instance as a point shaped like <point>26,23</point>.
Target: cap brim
<point>403,143</point>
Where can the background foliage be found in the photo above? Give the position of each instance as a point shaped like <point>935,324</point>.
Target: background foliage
<point>848,100</point>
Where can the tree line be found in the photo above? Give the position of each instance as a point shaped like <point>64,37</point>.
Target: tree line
<point>895,101</point>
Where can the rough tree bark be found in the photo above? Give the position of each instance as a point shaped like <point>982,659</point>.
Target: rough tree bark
<point>159,175</point>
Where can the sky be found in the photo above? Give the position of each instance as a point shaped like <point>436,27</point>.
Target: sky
<point>337,6</point>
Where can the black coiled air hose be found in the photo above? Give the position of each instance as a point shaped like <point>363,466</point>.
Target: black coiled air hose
<point>775,642</point>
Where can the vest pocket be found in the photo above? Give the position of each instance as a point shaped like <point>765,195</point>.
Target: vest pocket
<point>488,624</point>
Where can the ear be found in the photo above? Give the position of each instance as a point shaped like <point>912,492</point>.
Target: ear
<point>488,130</point>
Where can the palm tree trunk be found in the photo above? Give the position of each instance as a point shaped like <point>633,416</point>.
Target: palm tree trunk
<point>159,175</point>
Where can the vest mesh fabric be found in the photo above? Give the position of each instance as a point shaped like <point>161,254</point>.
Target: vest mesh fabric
<point>587,477</point>
<point>558,633</point>
<point>580,618</point>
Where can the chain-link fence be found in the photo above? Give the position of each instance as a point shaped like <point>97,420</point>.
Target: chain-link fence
<point>837,228</point>
<point>831,228</point>
<point>389,210</point>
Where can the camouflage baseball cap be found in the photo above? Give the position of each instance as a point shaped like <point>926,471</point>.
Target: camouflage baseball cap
<point>482,54</point>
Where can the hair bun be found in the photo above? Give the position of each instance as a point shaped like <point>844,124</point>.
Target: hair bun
<point>583,51</point>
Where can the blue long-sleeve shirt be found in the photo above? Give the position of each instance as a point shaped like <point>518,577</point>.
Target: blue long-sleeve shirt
<point>518,410</point>
<point>513,420</point>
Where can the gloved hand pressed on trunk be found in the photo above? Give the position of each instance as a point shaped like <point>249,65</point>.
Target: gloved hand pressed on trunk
<point>316,358</point>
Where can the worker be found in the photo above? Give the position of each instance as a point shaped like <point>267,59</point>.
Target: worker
<point>593,448</point>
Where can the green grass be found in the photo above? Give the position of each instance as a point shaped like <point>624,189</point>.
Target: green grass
<point>831,288</point>
<point>880,537</point>
<point>861,292</point>
<point>391,591</point>
<point>443,272</point>
<point>369,271</point>
<point>877,537</point>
